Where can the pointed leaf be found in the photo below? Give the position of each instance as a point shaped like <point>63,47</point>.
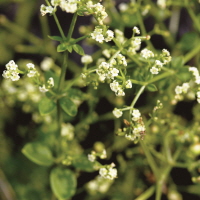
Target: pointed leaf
<point>46,106</point>
<point>38,153</point>
<point>152,88</point>
<point>56,38</point>
<point>78,49</point>
<point>69,48</point>
<point>63,183</point>
<point>68,106</point>
<point>62,47</point>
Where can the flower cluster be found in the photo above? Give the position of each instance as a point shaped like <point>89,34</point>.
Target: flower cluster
<point>106,71</point>
<point>46,9</point>
<point>12,71</point>
<point>92,157</point>
<point>157,66</point>
<point>45,88</point>
<point>97,10</point>
<point>108,171</point>
<point>32,72</point>
<point>100,35</point>
<point>195,72</point>
<point>145,53</point>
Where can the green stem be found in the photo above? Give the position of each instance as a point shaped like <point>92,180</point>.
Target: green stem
<point>72,25</point>
<point>137,96</point>
<point>148,193</point>
<point>150,159</point>
<point>192,53</point>
<point>57,22</point>
<point>161,76</point>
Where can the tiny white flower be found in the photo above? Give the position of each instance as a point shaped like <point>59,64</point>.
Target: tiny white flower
<point>128,84</point>
<point>178,89</point>
<point>147,53</point>
<point>123,7</point>
<point>117,113</point>
<point>86,59</point>
<point>43,89</point>
<point>114,72</point>
<point>154,70</point>
<point>50,82</point>
<point>185,87</point>
<point>136,30</point>
<point>136,115</point>
<point>91,157</point>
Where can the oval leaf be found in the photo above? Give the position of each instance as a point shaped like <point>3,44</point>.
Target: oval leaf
<point>68,106</point>
<point>63,183</point>
<point>78,49</point>
<point>62,47</point>
<point>38,153</point>
<point>152,88</point>
<point>46,106</point>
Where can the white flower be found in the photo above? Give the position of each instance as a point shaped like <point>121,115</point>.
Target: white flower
<point>32,72</point>
<point>91,157</point>
<point>109,35</point>
<point>120,92</point>
<point>50,82</point>
<point>158,63</point>
<point>117,113</point>
<point>128,84</point>
<point>136,115</point>
<point>108,172</point>
<point>68,6</point>
<point>47,63</point>
<point>185,87</point>
<point>114,72</point>
<point>114,86</point>
<point>67,131</point>
<point>198,94</point>
<point>136,30</point>
<point>123,7</point>
<point>46,9</point>
<point>86,59</point>
<point>161,3</point>
<point>103,154</point>
<point>154,70</point>
<point>178,89</point>
<point>11,72</point>
<point>165,52</point>
<point>43,89</point>
<point>147,53</point>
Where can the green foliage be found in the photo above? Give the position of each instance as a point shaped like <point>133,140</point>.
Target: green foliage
<point>63,183</point>
<point>38,153</point>
<point>46,106</point>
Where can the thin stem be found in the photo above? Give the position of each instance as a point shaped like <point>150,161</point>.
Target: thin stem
<point>150,159</point>
<point>57,22</point>
<point>148,193</point>
<point>192,53</point>
<point>71,29</point>
<point>161,76</point>
<point>137,96</point>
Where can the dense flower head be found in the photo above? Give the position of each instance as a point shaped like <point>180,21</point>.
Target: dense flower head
<point>11,71</point>
<point>99,36</point>
<point>46,9</point>
<point>117,88</point>
<point>108,172</point>
<point>136,115</point>
<point>147,53</point>
<point>106,71</point>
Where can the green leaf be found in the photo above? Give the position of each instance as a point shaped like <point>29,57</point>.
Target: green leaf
<point>177,62</point>
<point>38,153</point>
<point>151,88</point>
<point>69,48</point>
<point>56,38</point>
<point>62,47</point>
<point>63,183</point>
<point>46,106</point>
<point>82,163</point>
<point>78,49</point>
<point>68,106</point>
